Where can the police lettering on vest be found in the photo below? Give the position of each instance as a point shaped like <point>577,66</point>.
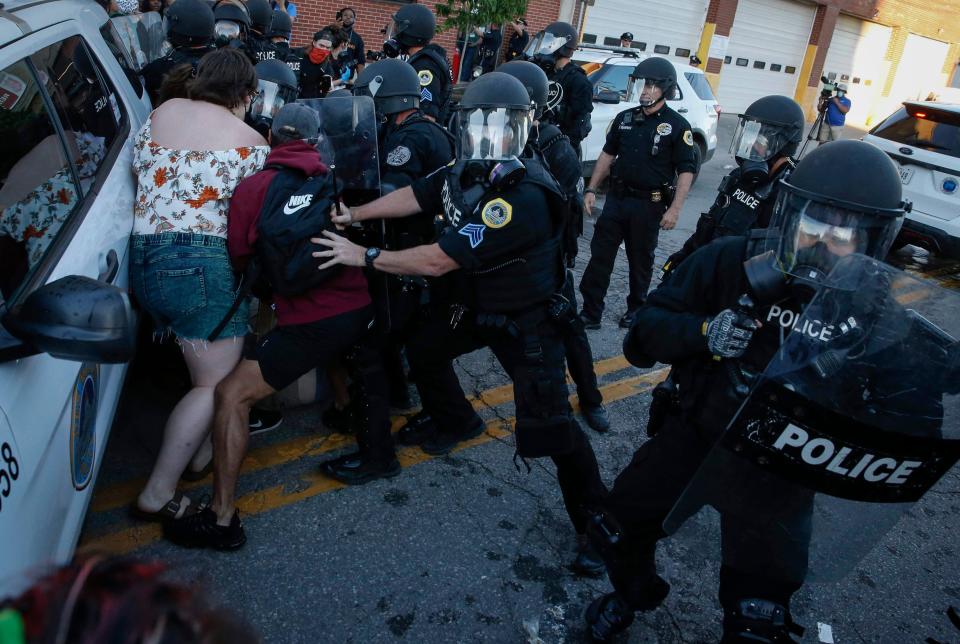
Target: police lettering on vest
<point>852,462</point>
<point>746,198</point>
<point>450,210</point>
<point>788,319</point>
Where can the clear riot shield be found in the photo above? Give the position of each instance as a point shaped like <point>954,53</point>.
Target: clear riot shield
<point>142,37</point>
<point>854,419</point>
<point>348,145</point>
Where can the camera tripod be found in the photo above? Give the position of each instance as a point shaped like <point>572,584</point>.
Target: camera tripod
<point>817,128</point>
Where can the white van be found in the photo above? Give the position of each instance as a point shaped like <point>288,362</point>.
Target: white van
<point>70,99</point>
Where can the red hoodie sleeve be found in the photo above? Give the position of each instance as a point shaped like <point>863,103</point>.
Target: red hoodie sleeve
<point>245,206</point>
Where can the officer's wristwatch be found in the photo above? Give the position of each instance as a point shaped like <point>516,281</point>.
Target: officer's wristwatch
<point>370,255</point>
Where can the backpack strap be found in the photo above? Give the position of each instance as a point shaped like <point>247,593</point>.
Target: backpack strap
<point>247,279</point>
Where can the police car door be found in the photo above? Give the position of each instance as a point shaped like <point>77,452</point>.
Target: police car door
<point>66,202</point>
<point>844,431</point>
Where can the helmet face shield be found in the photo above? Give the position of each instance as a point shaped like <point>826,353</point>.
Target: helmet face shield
<point>757,141</point>
<point>816,234</point>
<point>645,90</point>
<point>270,97</point>
<point>545,44</point>
<point>227,30</point>
<point>493,134</point>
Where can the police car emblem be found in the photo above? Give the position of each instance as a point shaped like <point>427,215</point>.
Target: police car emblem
<point>497,213</point>
<point>398,156</point>
<point>688,138</point>
<point>83,425</point>
<point>426,77</point>
<point>664,129</point>
<point>473,232</point>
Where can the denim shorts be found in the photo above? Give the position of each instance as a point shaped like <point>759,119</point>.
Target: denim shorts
<point>186,284</point>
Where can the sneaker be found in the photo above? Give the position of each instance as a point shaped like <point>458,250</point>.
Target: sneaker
<point>588,562</point>
<point>588,322</point>
<point>417,429</point>
<point>264,420</point>
<point>342,421</point>
<point>627,319</point>
<point>441,443</point>
<point>596,418</point>
<point>355,469</point>
<point>200,530</point>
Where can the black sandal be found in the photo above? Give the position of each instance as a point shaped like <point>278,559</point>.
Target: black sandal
<point>168,511</point>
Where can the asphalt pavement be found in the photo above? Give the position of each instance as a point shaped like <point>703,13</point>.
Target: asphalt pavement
<point>470,548</point>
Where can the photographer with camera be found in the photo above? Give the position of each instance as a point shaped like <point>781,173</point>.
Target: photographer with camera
<point>833,108</point>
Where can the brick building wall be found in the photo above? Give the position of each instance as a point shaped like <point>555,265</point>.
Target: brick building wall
<point>374,15</point>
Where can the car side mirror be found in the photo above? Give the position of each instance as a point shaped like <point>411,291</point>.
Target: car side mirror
<point>77,318</point>
<point>610,97</point>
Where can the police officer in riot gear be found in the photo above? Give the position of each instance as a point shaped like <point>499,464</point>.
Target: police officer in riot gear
<point>279,33</point>
<point>571,94</point>
<point>646,148</point>
<point>276,86</point>
<point>706,321</point>
<point>764,145</point>
<point>232,26</point>
<point>410,32</point>
<point>258,40</point>
<point>502,216</point>
<point>190,30</point>
<point>563,163</point>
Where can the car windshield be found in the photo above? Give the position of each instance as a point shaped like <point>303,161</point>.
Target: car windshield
<point>611,78</point>
<point>701,86</point>
<point>923,127</point>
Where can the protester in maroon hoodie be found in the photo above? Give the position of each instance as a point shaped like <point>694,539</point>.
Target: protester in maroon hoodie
<point>313,330</point>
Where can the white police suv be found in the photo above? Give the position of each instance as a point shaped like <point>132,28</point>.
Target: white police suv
<point>609,70</point>
<point>69,101</point>
<point>923,138</point>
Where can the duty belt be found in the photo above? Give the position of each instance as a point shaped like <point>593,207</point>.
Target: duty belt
<point>656,195</point>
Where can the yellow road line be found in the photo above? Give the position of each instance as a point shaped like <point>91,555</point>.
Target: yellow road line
<point>313,483</point>
<point>119,494</point>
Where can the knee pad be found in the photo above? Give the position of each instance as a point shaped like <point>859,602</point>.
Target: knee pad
<point>759,621</point>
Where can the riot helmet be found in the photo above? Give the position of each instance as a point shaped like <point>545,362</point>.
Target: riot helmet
<point>260,15</point>
<point>393,84</point>
<point>558,40</point>
<point>533,78</point>
<point>841,199</point>
<point>411,26</point>
<point>772,127</point>
<point>494,119</point>
<point>276,86</point>
<point>232,21</point>
<point>653,72</point>
<point>190,23</point>
<point>280,26</point>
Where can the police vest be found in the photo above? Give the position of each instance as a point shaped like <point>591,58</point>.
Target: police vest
<point>442,99</point>
<point>528,278</point>
<point>739,206</point>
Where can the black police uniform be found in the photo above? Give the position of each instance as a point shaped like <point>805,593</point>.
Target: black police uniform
<point>670,329</point>
<point>508,247</point>
<point>739,208</point>
<point>651,150</point>
<point>156,71</point>
<point>564,165</point>
<point>292,56</point>
<point>435,81</point>
<point>260,48</point>
<point>412,150</point>
<point>572,115</point>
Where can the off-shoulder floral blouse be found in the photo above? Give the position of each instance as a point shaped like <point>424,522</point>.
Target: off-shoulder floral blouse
<point>186,191</point>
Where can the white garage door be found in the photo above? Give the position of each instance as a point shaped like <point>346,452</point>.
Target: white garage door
<point>664,26</point>
<point>920,70</point>
<point>765,52</point>
<point>856,58</point>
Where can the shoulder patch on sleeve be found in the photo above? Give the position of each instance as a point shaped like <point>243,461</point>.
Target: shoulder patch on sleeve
<point>688,138</point>
<point>425,76</point>
<point>473,232</point>
<point>497,213</point>
<point>398,156</point>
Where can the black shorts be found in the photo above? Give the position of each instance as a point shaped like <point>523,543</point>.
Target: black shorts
<point>288,352</point>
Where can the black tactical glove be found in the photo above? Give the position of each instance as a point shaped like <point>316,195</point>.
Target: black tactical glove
<point>729,333</point>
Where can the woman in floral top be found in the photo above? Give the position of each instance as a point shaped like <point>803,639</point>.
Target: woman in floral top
<point>189,157</point>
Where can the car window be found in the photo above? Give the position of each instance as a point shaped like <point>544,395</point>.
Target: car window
<point>39,188</point>
<point>925,128</point>
<point>701,86</point>
<point>611,78</point>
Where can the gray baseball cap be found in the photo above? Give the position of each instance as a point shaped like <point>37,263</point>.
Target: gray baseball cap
<point>296,121</point>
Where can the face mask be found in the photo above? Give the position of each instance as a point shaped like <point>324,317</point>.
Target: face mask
<point>546,62</point>
<point>753,172</point>
<point>392,48</point>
